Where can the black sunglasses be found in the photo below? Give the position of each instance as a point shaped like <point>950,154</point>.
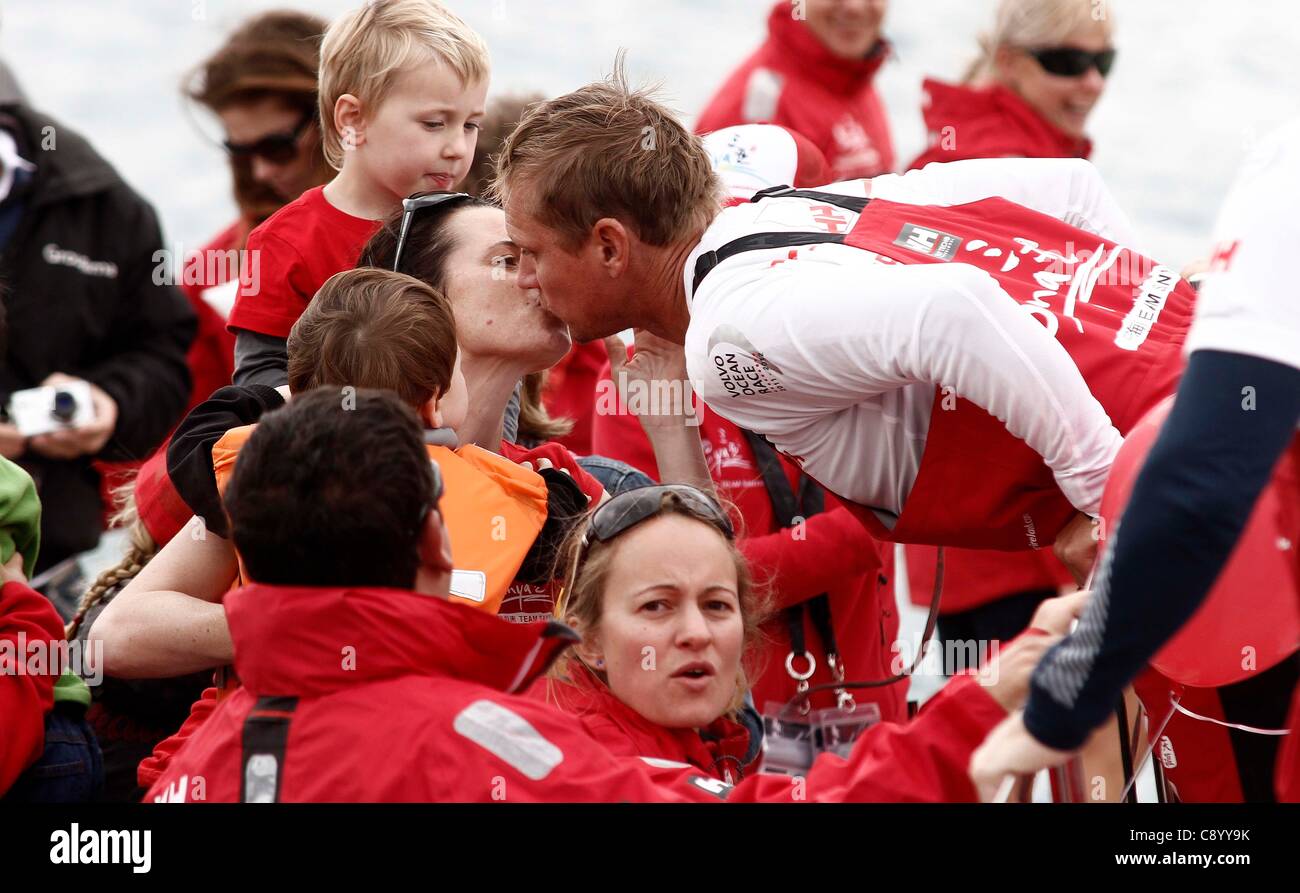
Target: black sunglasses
<point>277,148</point>
<point>415,203</point>
<point>1069,62</point>
<point>626,510</point>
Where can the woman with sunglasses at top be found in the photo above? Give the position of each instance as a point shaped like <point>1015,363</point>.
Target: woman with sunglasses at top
<point>1040,73</point>
<point>669,621</point>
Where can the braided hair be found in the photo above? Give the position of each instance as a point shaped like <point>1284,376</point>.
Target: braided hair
<point>140,549</point>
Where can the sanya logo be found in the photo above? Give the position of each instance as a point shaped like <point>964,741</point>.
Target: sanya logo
<point>932,242</point>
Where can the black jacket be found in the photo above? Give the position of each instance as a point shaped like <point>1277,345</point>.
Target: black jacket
<point>81,297</point>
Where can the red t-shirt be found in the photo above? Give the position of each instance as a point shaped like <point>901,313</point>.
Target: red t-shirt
<point>290,257</point>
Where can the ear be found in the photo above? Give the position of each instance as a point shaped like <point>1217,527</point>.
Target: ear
<point>429,413</point>
<point>349,121</point>
<point>614,242</point>
<point>1006,65</point>
<point>435,544</point>
<point>589,649</point>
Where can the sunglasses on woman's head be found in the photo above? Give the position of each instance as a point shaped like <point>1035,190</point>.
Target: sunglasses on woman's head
<point>277,148</point>
<point>626,510</point>
<point>1069,62</point>
<point>415,203</point>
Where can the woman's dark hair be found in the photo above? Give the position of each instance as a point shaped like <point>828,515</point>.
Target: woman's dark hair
<point>429,242</point>
<point>331,490</point>
<point>273,55</point>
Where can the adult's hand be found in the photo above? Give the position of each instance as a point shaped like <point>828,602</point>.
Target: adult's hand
<point>1011,750</point>
<point>1076,546</point>
<point>1007,672</point>
<point>88,439</point>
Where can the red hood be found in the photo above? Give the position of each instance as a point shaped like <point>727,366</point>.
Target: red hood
<point>308,641</point>
<point>719,748</point>
<point>994,122</point>
<point>792,45</point>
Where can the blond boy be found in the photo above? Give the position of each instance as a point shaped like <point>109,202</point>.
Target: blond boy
<point>403,86</point>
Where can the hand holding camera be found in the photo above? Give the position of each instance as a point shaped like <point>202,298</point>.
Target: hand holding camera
<point>64,418</point>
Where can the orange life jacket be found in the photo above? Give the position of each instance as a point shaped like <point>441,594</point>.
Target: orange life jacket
<point>493,509</point>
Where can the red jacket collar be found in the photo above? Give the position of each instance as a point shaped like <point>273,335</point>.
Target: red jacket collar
<point>995,121</point>
<point>792,45</point>
<point>717,749</point>
<point>310,641</point>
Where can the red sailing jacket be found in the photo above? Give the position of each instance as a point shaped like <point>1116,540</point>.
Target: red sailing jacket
<point>835,555</point>
<point>989,122</point>
<point>723,750</point>
<point>1121,317</point>
<point>794,81</point>
<point>385,695</point>
<point>27,621</point>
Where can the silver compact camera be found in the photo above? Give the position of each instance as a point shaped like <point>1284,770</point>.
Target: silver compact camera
<point>51,408</point>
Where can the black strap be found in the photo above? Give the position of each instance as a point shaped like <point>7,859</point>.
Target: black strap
<point>760,241</point>
<point>266,732</point>
<point>786,507</point>
<point>854,203</point>
<point>755,242</point>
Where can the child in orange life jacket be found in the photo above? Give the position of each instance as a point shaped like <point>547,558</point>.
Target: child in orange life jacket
<point>374,328</point>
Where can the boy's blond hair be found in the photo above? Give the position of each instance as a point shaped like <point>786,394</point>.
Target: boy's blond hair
<point>365,49</point>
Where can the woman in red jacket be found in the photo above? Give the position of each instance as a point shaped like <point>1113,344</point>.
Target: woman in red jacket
<point>669,621</point>
<point>1030,93</point>
<point>814,74</point>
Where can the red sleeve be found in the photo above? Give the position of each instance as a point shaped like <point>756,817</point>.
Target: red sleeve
<point>559,458</point>
<point>832,547</point>
<point>152,767</point>
<point>26,618</point>
<point>271,301</point>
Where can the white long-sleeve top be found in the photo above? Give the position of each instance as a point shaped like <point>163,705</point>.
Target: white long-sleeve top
<point>835,357</point>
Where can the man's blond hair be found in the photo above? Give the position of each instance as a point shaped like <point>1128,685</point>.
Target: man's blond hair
<point>606,150</point>
<point>365,49</point>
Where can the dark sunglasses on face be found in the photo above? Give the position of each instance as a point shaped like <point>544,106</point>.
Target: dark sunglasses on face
<point>415,203</point>
<point>1069,62</point>
<point>629,509</point>
<point>277,148</point>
